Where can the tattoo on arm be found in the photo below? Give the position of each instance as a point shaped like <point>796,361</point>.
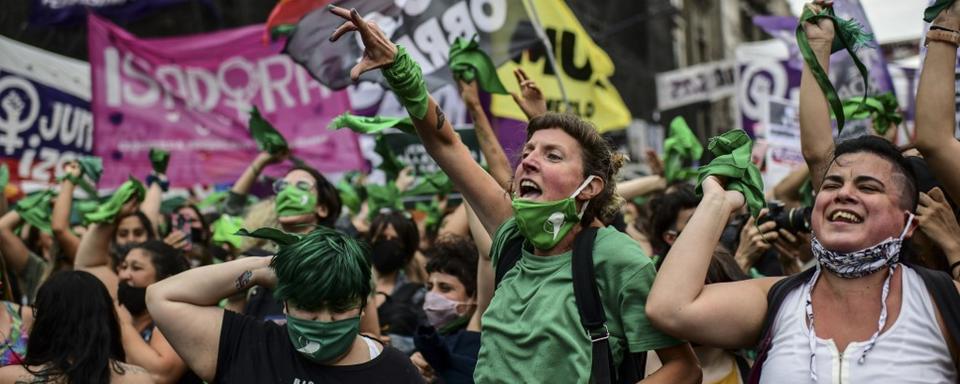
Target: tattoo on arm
<point>244,279</point>
<point>441,118</point>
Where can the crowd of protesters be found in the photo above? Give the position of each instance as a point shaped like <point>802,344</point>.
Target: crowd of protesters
<point>846,275</point>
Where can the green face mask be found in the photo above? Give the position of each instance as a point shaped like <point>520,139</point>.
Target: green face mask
<point>322,341</point>
<point>293,201</point>
<point>543,224</point>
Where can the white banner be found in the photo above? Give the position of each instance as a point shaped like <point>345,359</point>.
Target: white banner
<point>703,82</point>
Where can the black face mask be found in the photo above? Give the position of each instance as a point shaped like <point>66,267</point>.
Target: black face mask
<point>132,298</point>
<point>388,255</point>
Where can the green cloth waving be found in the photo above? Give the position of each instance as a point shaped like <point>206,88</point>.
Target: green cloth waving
<point>36,210</point>
<point>681,145</point>
<point>266,136</point>
<point>406,80</point>
<point>468,63</point>
<point>225,231</point>
<point>131,189</point>
<point>934,9</point>
<point>437,183</point>
<point>732,164</point>
<point>371,124</point>
<point>882,109</point>
<point>849,36</point>
<point>91,167</point>
<point>391,165</point>
<point>160,159</point>
<point>381,197</point>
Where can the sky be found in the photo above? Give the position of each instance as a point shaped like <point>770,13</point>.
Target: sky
<point>892,20</point>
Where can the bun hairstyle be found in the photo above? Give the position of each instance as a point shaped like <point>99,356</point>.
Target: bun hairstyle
<point>599,159</point>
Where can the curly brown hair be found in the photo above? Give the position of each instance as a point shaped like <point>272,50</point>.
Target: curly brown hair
<point>599,159</point>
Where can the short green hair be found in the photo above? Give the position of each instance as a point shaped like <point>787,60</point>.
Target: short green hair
<point>325,269</point>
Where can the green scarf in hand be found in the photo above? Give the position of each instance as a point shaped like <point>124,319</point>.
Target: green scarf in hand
<point>732,164</point>
<point>882,109</point>
<point>850,36</point>
<point>4,178</point>
<point>91,167</point>
<point>35,209</point>
<point>265,135</point>
<point>391,165</point>
<point>681,145</point>
<point>406,80</point>
<point>159,159</point>
<point>371,124</point>
<point>380,197</point>
<point>437,183</point>
<point>106,212</point>
<point>468,63</point>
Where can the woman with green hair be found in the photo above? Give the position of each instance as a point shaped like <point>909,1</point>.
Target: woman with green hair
<point>324,281</point>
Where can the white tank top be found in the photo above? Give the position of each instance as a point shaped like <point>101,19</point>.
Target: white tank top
<point>912,350</point>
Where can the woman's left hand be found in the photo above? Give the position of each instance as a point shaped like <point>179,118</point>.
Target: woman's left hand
<point>378,50</point>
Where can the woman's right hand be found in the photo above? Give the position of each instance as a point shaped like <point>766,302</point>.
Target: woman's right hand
<point>378,50</point>
<point>821,33</point>
<point>72,168</point>
<point>265,158</point>
<point>713,187</point>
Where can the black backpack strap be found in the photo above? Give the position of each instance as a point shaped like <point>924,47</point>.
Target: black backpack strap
<point>775,296</point>
<point>508,258</point>
<point>587,296</point>
<point>945,296</point>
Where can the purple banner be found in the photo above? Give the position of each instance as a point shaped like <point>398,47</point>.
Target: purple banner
<point>192,96</point>
<point>66,12</point>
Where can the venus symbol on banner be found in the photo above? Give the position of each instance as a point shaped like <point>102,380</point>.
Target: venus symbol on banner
<point>13,122</point>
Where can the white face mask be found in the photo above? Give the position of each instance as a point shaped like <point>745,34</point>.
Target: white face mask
<point>851,265</point>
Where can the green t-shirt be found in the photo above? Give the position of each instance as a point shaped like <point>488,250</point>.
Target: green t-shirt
<point>531,331</point>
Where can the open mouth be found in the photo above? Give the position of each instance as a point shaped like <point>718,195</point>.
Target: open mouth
<point>529,189</point>
<point>845,216</point>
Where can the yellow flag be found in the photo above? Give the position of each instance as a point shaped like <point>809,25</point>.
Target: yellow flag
<point>583,67</point>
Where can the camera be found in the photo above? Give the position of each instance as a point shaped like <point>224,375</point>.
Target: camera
<point>794,219</point>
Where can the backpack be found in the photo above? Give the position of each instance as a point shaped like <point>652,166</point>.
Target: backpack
<point>938,283</point>
<point>592,316</point>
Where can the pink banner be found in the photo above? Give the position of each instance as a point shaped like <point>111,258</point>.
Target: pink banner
<point>192,96</point>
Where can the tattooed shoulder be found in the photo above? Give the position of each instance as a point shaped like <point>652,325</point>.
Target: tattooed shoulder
<point>441,118</point>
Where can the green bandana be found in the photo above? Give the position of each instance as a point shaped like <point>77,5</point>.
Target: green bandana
<point>349,196</point>
<point>437,183</point>
<point>35,210</point>
<point>4,178</point>
<point>391,165</point>
<point>468,63</point>
<point>406,80</point>
<point>934,9</point>
<point>732,163</point>
<point>372,124</point>
<point>882,109</point>
<point>545,223</point>
<point>381,197</point>
<point>159,158</point>
<point>681,145</point>
<point>849,36</point>
<point>322,341</point>
<point>266,136</point>
<point>131,189</point>
<point>225,229</point>
<point>91,167</point>
<point>80,208</point>
<point>432,222</point>
<point>293,201</point>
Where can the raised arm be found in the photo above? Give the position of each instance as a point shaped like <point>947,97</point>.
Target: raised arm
<point>485,275</point>
<point>436,133</point>
<point>641,186</point>
<point>489,145</point>
<point>936,118</point>
<point>184,307</point>
<point>93,255</point>
<point>242,186</point>
<point>15,252</point>
<point>530,99</point>
<point>788,189</point>
<point>726,315</point>
<point>60,218</point>
<point>816,133</point>
<point>156,356</point>
<point>151,205</point>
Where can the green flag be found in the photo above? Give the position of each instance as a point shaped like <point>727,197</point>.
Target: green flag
<point>131,189</point>
<point>881,108</point>
<point>371,124</point>
<point>35,209</point>
<point>160,159</point>
<point>391,165</point>
<point>681,145</point>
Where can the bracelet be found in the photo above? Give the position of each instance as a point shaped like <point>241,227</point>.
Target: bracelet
<point>935,27</point>
<point>953,267</point>
<point>160,179</point>
<point>949,37</point>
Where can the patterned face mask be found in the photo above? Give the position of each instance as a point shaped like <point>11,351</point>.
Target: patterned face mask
<point>852,265</point>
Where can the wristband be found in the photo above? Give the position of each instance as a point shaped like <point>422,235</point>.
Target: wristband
<point>406,80</point>
<point>160,179</point>
<point>942,35</point>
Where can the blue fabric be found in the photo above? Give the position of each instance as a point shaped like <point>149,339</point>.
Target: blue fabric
<point>452,356</point>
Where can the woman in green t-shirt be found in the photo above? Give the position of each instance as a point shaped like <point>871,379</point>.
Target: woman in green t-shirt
<point>531,331</point>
